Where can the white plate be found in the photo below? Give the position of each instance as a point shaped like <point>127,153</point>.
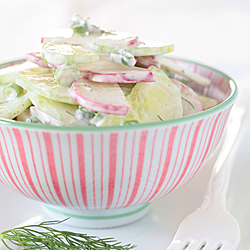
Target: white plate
<point>156,230</point>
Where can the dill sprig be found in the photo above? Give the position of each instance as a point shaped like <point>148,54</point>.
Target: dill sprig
<point>43,236</point>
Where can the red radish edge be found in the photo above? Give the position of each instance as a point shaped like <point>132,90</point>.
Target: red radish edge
<point>98,107</point>
<point>147,61</point>
<point>116,77</point>
<point>134,42</point>
<point>32,57</point>
<point>176,82</point>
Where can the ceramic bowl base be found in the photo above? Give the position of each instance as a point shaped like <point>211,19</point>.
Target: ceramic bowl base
<point>97,218</point>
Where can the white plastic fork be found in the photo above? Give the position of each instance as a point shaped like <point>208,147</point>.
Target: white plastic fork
<point>211,226</point>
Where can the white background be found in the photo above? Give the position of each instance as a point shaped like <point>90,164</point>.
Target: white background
<point>215,32</point>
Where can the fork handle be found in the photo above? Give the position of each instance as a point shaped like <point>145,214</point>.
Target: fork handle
<point>220,177</point>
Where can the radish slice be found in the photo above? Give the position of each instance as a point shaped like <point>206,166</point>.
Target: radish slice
<point>107,38</point>
<point>175,68</point>
<point>190,101</point>
<point>35,57</point>
<point>100,97</point>
<point>105,70</point>
<point>147,61</point>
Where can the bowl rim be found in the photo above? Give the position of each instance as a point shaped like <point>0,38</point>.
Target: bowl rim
<point>143,126</point>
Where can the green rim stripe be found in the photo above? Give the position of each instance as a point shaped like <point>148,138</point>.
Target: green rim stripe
<point>97,217</point>
<point>228,102</point>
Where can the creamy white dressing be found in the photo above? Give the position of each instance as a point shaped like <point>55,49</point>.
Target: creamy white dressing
<point>123,57</point>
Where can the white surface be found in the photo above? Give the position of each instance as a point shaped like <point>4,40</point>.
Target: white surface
<point>210,225</point>
<point>156,230</point>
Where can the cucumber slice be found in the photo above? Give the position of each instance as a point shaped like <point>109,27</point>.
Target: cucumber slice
<point>112,38</point>
<point>44,84</point>
<point>7,75</point>
<point>142,49</point>
<point>208,102</point>
<point>100,97</point>
<point>59,114</point>
<point>190,102</point>
<point>156,101</point>
<point>12,108</point>
<point>150,102</point>
<point>67,53</point>
<point>105,70</point>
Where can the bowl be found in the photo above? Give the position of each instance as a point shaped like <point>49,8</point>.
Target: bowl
<point>107,176</point>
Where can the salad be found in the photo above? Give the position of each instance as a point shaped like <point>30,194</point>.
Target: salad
<point>87,76</point>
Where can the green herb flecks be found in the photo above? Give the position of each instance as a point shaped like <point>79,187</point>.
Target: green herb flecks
<point>129,122</point>
<point>188,102</point>
<point>160,118</point>
<point>42,236</point>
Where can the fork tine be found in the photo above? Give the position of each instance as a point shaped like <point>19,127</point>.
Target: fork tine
<point>213,245</point>
<point>178,245</point>
<point>175,245</point>
<point>196,245</point>
<point>227,246</point>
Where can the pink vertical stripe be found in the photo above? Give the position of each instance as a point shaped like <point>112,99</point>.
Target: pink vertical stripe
<point>112,167</point>
<point>142,146</point>
<point>62,169</point>
<point>24,181</point>
<point>22,154</point>
<point>6,167</point>
<point>130,170</point>
<point>123,164</point>
<point>176,158</point>
<point>44,172</point>
<point>167,160</point>
<point>150,165</point>
<point>201,151</point>
<point>159,165</point>
<point>209,142</point>
<point>201,131</point>
<point>35,167</point>
<point>93,169</point>
<point>217,132</point>
<point>190,154</point>
<point>102,194</point>
<point>81,164</point>
<point>52,166</point>
<point>72,169</point>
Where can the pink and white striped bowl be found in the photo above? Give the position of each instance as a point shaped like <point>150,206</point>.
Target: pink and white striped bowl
<point>106,176</point>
